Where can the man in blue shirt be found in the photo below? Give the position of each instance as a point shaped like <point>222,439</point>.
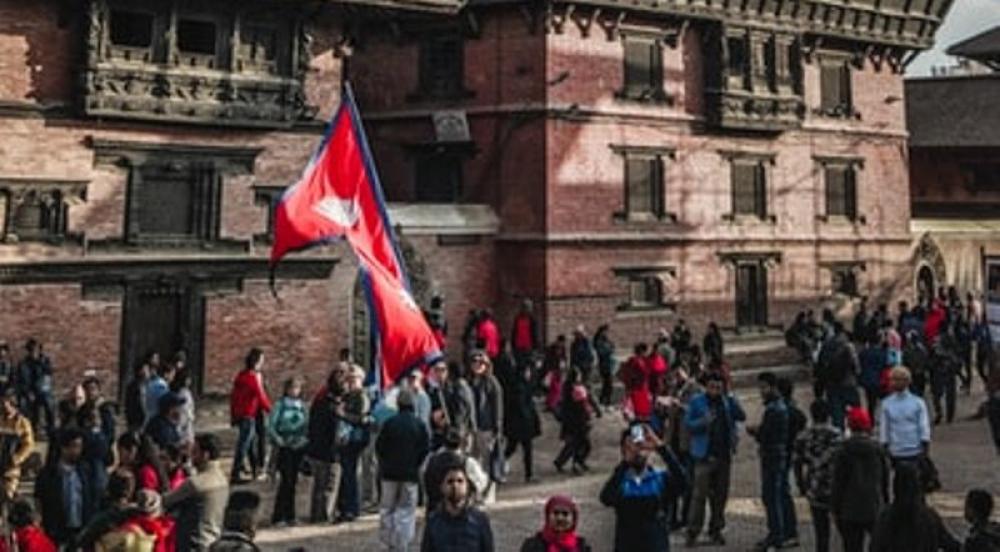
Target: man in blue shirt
<point>711,420</point>
<point>641,494</point>
<point>60,489</point>
<point>904,425</point>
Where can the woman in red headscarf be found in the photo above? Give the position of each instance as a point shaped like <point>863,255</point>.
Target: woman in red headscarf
<point>559,532</point>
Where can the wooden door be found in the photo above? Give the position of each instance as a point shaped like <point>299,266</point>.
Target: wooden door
<point>751,295</point>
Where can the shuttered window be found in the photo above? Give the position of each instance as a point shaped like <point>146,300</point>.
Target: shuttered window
<point>835,90</point>
<point>438,177</point>
<point>844,281</point>
<point>644,291</point>
<point>442,67</point>
<point>643,68</point>
<point>749,183</point>
<point>644,185</point>
<point>841,191</point>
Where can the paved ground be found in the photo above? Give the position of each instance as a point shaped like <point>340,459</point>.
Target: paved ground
<point>962,452</point>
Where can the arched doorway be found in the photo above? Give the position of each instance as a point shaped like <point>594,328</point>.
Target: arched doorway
<point>925,283</point>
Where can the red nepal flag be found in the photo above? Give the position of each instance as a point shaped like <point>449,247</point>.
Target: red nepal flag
<point>339,196</point>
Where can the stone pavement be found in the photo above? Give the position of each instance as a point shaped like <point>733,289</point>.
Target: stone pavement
<point>962,452</point>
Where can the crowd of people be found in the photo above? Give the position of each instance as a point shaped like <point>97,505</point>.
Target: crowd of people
<point>443,438</point>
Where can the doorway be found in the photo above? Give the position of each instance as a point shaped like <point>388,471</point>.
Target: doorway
<point>751,295</point>
<point>161,318</point>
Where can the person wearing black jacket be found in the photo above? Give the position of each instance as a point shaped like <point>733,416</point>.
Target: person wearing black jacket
<point>860,482</point>
<point>34,383</point>
<point>401,447</point>
<point>135,397</point>
<point>797,422</point>
<point>521,424</point>
<point>61,489</point>
<point>324,420</point>
<point>984,535</point>
<point>121,487</point>
<point>909,524</point>
<point>641,494</point>
<point>772,440</point>
<point>456,525</point>
<point>605,349</point>
<point>581,354</point>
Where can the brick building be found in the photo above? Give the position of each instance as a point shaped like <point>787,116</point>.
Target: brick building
<point>616,162</point>
<point>143,143</point>
<point>955,167</point>
<point>727,161</point>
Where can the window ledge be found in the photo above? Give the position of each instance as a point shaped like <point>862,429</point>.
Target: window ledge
<point>422,96</point>
<point>61,239</point>
<point>841,220</point>
<point>644,219</point>
<point>648,96</point>
<point>839,113</point>
<point>636,311</point>
<point>741,219</point>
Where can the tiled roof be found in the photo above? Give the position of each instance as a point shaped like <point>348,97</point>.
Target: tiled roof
<point>983,45</point>
<point>954,111</point>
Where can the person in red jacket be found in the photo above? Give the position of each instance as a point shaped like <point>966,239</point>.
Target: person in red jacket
<point>28,536</point>
<point>635,375</point>
<point>488,334</point>
<point>247,400</point>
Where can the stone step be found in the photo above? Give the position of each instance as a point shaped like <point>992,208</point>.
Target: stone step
<point>747,377</point>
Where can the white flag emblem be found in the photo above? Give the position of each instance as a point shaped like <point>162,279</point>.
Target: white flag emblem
<point>343,212</point>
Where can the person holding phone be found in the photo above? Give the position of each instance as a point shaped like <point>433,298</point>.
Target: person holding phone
<point>641,494</point>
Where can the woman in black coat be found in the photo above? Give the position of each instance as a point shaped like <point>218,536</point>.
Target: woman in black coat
<point>521,423</point>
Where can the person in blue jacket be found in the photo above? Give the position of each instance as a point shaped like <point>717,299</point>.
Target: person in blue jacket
<point>641,494</point>
<point>711,420</point>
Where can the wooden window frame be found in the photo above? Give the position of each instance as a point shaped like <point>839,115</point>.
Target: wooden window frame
<point>844,277</point>
<point>52,198</point>
<point>654,281</point>
<point>842,105</point>
<point>456,154</point>
<point>763,201</point>
<point>852,167</point>
<point>651,87</point>
<point>427,68</point>
<point>267,197</point>
<point>658,159</point>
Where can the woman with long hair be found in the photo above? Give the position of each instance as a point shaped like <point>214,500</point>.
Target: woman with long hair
<point>908,524</point>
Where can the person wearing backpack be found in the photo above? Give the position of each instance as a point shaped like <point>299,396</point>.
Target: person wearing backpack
<point>287,430</point>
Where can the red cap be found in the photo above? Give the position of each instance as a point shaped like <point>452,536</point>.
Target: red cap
<point>858,419</point>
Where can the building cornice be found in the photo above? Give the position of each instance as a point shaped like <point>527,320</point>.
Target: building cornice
<point>613,238</point>
<point>867,21</point>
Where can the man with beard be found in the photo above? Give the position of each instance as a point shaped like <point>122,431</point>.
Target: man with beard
<point>457,526</point>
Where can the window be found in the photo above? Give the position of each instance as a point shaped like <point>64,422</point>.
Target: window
<point>36,210</point>
<point>131,29</point>
<point>736,60</point>
<point>835,90</point>
<point>268,197</point>
<point>196,37</point>
<point>438,177</point>
<point>749,184</point>
<point>982,176</point>
<point>643,69</point>
<point>442,67</point>
<point>844,280</point>
<point>174,202</point>
<point>196,42</point>
<point>841,190</point>
<point>131,35</point>
<point>644,291</point>
<point>258,48</point>
<point>644,185</point>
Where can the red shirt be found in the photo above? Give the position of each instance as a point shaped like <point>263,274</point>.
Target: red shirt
<point>162,528</point>
<point>524,341</point>
<point>146,477</point>
<point>248,397</point>
<point>489,334</point>
<point>933,323</point>
<point>30,539</point>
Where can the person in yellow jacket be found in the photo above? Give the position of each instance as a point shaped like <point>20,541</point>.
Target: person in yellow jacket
<point>17,442</point>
